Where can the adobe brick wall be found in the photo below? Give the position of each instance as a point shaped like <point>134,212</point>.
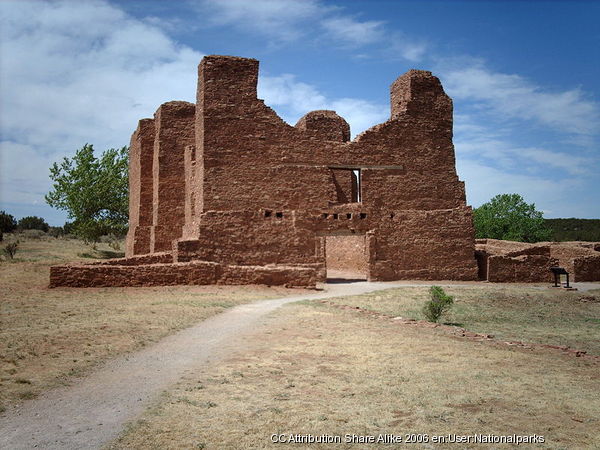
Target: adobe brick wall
<point>578,258</point>
<point>234,185</point>
<point>191,273</point>
<point>141,150</point>
<point>174,131</point>
<point>347,253</point>
<point>523,269</point>
<point>153,258</point>
<point>586,268</point>
<point>326,124</point>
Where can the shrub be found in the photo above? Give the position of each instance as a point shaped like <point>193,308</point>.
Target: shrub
<point>438,304</point>
<point>56,232</point>
<point>33,223</point>
<point>11,249</point>
<point>7,222</point>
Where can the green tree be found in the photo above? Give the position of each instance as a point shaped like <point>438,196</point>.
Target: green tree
<point>93,191</point>
<point>33,223</point>
<point>7,222</point>
<point>509,217</point>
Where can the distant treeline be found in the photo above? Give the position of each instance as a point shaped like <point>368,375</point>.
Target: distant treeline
<point>574,229</point>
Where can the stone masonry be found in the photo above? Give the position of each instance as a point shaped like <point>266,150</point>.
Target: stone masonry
<point>225,191</point>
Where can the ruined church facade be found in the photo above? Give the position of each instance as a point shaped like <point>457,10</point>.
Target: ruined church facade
<point>225,191</point>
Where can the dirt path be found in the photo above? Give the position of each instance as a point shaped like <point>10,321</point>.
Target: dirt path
<point>92,412</point>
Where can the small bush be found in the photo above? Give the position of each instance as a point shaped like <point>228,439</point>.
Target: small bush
<point>7,222</point>
<point>56,232</point>
<point>33,223</point>
<point>439,303</point>
<point>11,249</point>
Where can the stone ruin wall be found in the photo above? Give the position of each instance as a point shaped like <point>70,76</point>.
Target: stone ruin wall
<point>224,191</point>
<point>227,182</point>
<point>508,261</point>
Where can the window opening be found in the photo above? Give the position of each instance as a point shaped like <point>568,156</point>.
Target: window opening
<point>356,194</point>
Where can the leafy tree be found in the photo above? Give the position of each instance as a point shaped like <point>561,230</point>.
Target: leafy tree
<point>33,223</point>
<point>93,191</point>
<point>509,217</point>
<point>7,222</point>
<point>69,228</point>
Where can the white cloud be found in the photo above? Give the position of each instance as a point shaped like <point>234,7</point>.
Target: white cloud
<point>74,73</point>
<point>484,182</point>
<point>290,20</point>
<point>77,73</point>
<point>347,29</point>
<point>293,99</point>
<point>512,96</point>
<point>276,18</point>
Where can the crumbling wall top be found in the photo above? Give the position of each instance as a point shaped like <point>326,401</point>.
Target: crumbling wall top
<point>419,92</point>
<point>227,80</point>
<point>327,124</point>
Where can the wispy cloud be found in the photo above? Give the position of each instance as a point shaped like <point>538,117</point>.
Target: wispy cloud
<point>484,182</point>
<point>280,19</point>
<point>514,97</point>
<point>74,73</point>
<point>293,99</point>
<point>288,21</point>
<point>349,30</point>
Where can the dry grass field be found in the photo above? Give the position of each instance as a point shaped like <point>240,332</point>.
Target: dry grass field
<point>533,314</point>
<point>48,336</point>
<point>315,369</point>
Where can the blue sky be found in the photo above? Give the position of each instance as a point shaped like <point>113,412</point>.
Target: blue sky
<point>524,77</point>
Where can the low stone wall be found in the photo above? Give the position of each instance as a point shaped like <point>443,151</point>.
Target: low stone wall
<point>154,258</point>
<point>580,259</point>
<point>520,269</point>
<point>269,275</point>
<point>188,273</point>
<point>587,268</point>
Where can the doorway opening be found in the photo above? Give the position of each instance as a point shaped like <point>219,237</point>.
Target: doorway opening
<point>346,258</point>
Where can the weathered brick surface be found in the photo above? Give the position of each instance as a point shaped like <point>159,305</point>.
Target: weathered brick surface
<point>520,261</point>
<point>192,273</point>
<point>141,150</point>
<point>174,131</point>
<point>235,185</point>
<point>153,258</point>
<point>270,275</point>
<point>525,268</point>
<point>347,253</point>
<point>586,268</point>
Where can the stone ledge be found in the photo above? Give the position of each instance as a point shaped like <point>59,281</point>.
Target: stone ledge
<point>118,274</point>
